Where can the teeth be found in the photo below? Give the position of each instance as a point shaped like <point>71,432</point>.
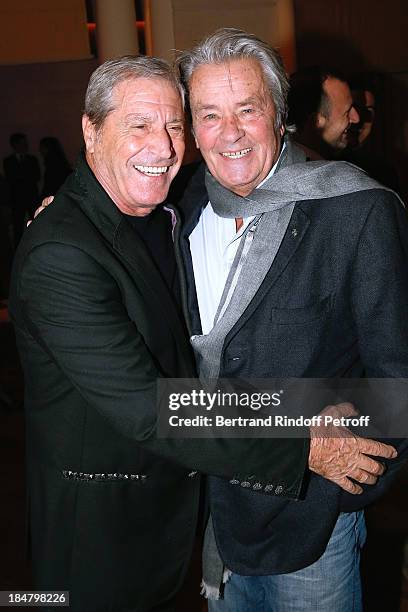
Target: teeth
<point>236,154</point>
<point>152,170</point>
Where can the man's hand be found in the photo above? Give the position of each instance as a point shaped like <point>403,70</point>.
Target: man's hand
<point>42,207</point>
<point>338,455</point>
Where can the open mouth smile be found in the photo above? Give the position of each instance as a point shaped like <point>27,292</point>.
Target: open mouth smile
<point>236,154</point>
<point>152,170</point>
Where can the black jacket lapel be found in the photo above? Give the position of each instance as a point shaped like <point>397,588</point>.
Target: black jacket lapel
<point>110,222</point>
<point>133,251</point>
<point>190,207</point>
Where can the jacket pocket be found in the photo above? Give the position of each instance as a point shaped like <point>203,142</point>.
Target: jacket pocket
<point>301,315</point>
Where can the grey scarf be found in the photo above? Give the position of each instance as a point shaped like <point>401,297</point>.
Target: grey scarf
<point>272,204</point>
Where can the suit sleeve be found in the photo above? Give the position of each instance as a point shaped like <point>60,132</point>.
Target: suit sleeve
<point>379,296</point>
<point>75,309</point>
<point>380,289</point>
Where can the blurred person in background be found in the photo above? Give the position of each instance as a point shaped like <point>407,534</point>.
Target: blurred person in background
<point>361,149</point>
<point>322,110</point>
<point>22,172</point>
<point>56,165</point>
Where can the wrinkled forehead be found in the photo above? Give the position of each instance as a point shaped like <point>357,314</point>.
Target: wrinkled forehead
<point>231,79</point>
<point>153,89</point>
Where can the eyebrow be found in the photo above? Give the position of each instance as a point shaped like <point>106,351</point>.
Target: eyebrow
<point>201,107</point>
<point>149,118</point>
<point>138,117</point>
<point>250,100</point>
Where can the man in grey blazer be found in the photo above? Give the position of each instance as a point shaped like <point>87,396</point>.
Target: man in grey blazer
<point>293,269</point>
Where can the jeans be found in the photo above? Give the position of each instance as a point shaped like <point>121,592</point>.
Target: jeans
<point>331,584</point>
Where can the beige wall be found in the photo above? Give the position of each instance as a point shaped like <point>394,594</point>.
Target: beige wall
<point>46,98</point>
<point>43,99</point>
<point>42,31</point>
<point>178,24</point>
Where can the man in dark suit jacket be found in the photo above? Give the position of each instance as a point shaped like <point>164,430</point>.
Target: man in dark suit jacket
<point>292,270</point>
<point>112,508</point>
<point>22,173</point>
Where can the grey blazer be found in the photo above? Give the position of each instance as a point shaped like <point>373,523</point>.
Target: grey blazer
<point>333,304</point>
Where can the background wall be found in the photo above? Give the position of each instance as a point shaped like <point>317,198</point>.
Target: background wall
<point>45,62</point>
<point>42,30</point>
<point>46,98</point>
<point>179,24</point>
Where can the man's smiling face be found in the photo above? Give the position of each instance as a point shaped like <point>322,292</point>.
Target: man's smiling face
<point>139,148</point>
<point>335,126</point>
<point>234,123</point>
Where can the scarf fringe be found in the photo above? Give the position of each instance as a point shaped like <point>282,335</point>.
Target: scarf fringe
<point>212,592</point>
<point>226,575</point>
<point>209,592</point>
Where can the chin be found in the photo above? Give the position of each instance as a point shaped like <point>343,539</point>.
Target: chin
<point>142,210</point>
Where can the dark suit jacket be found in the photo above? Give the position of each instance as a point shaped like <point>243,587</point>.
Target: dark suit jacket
<point>333,304</point>
<point>113,509</point>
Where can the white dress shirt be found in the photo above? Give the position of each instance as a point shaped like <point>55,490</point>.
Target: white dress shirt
<point>213,245</point>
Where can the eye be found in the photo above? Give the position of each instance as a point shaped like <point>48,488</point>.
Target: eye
<point>176,129</point>
<point>210,117</point>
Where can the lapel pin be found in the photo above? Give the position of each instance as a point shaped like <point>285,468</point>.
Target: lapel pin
<point>294,232</point>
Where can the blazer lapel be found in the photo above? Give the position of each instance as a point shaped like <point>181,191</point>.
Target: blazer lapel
<point>132,250</point>
<point>185,263</point>
<point>104,214</point>
<point>295,233</point>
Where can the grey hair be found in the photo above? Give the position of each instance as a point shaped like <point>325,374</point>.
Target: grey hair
<point>99,94</point>
<point>228,44</point>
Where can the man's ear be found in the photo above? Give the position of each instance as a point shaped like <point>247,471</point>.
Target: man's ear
<point>320,120</point>
<point>89,132</point>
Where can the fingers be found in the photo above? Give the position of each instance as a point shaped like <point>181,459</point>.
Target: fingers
<point>378,449</point>
<point>370,465</point>
<point>363,477</point>
<point>344,409</point>
<point>349,486</point>
<point>47,201</point>
<point>39,210</point>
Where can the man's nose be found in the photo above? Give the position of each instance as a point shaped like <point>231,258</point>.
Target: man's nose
<point>354,117</point>
<point>160,143</point>
<point>232,129</point>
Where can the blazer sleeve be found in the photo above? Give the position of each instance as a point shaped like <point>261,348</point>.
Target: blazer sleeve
<point>73,306</point>
<point>379,290</point>
<point>379,295</point>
